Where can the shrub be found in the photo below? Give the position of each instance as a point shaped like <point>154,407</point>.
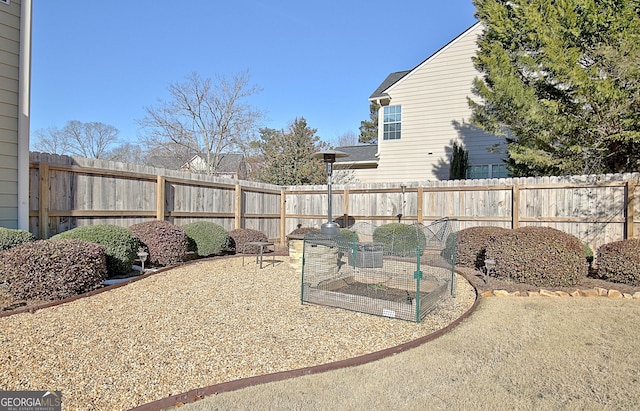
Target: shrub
<point>619,261</point>
<point>120,245</point>
<point>471,243</point>
<point>53,270</point>
<point>239,236</point>
<point>347,236</point>
<point>10,238</point>
<point>346,239</point>
<point>166,243</point>
<point>400,239</point>
<point>450,246</point>
<point>588,254</point>
<point>540,256</point>
<point>208,237</point>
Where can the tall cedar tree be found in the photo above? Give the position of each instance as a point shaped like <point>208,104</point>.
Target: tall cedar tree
<point>287,156</point>
<point>459,163</point>
<point>561,79</point>
<point>369,128</point>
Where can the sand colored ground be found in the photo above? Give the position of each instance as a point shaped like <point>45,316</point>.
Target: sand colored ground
<point>542,353</point>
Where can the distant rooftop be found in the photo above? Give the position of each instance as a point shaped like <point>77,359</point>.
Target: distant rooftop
<point>359,153</point>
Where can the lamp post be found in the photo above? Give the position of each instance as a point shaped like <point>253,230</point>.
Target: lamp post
<point>329,157</point>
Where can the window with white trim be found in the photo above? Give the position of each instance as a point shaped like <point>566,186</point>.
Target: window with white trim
<point>391,122</point>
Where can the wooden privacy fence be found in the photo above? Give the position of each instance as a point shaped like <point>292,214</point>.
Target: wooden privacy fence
<point>67,192</point>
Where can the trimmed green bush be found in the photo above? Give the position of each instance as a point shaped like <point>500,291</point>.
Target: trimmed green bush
<point>347,236</point>
<point>540,256</point>
<point>10,238</point>
<point>619,261</point>
<point>53,270</point>
<point>120,245</point>
<point>471,243</point>
<point>450,246</point>
<point>208,237</point>
<point>400,239</point>
<point>239,236</point>
<point>166,243</point>
<point>346,239</point>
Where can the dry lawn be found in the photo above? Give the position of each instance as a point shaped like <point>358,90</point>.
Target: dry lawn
<point>513,353</point>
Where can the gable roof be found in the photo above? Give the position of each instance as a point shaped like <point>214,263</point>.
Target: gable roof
<point>394,78</point>
<point>358,154</point>
<point>388,82</point>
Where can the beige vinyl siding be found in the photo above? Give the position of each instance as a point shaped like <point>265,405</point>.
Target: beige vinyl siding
<point>9,85</point>
<point>434,114</point>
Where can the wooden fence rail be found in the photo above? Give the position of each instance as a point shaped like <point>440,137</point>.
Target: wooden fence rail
<point>67,192</point>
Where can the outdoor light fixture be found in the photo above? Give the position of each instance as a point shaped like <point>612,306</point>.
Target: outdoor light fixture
<point>142,255</point>
<point>329,157</point>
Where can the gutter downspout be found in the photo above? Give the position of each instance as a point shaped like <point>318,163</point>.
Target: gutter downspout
<point>24,114</point>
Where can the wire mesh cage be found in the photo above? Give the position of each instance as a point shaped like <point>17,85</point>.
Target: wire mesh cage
<point>394,270</point>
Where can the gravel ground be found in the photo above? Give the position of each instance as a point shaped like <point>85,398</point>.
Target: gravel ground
<point>533,353</point>
<point>192,326</point>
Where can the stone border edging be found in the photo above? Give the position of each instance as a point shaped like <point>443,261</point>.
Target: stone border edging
<point>199,393</point>
<point>592,292</point>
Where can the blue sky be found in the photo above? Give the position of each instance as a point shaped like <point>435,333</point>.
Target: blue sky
<point>105,61</point>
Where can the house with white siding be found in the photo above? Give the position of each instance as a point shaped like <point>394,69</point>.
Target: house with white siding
<point>423,111</point>
<point>15,68</point>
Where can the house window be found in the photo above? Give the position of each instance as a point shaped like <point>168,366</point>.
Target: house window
<point>487,171</point>
<point>391,123</point>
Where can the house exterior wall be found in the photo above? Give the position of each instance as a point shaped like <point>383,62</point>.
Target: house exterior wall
<point>9,111</point>
<point>435,113</point>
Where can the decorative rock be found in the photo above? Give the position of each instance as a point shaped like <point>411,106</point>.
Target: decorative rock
<point>576,293</point>
<point>533,294</point>
<point>589,293</point>
<point>562,294</point>
<point>486,294</point>
<point>602,292</point>
<point>627,296</point>
<point>515,294</point>
<point>501,293</point>
<point>636,295</point>
<point>614,294</point>
<point>547,293</point>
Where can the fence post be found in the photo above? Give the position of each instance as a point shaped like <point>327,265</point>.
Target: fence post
<point>160,200</point>
<point>283,215</point>
<point>238,210</point>
<point>43,203</point>
<point>420,194</point>
<point>515,206</point>
<point>630,208</point>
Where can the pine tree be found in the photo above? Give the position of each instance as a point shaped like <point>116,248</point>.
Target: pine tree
<point>286,157</point>
<point>561,80</point>
<point>459,163</point>
<point>369,128</point>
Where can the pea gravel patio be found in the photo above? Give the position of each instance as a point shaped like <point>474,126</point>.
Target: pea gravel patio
<point>192,326</point>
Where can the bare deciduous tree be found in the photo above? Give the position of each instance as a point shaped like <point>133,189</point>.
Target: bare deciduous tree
<point>90,140</point>
<point>202,118</point>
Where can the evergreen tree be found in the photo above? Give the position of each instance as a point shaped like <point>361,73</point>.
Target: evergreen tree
<point>286,157</point>
<point>369,128</point>
<point>459,163</point>
<point>561,80</point>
